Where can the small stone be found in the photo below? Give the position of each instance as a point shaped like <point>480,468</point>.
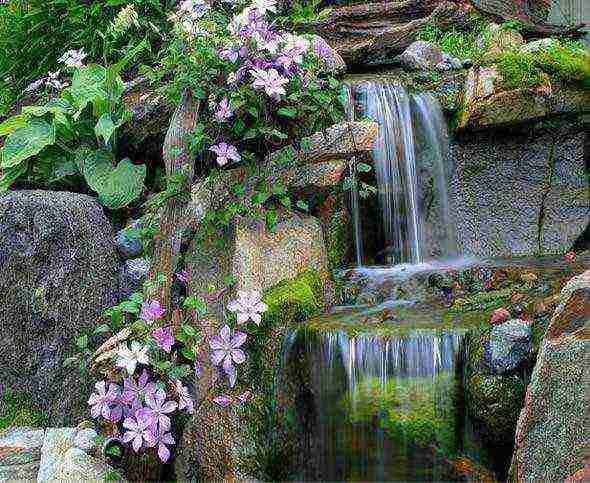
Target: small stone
<point>77,465</point>
<point>499,316</point>
<point>86,439</point>
<point>510,345</point>
<point>133,274</point>
<point>128,245</point>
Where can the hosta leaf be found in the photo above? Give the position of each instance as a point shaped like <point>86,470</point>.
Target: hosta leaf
<point>27,141</point>
<point>55,106</point>
<point>116,186</point>
<point>12,124</point>
<point>105,127</point>
<point>10,175</point>
<point>88,85</point>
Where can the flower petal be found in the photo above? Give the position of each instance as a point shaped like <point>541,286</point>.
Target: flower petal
<point>223,401</point>
<point>216,342</point>
<point>163,453</point>
<point>217,357</point>
<point>238,339</point>
<point>225,333</point>
<point>238,356</point>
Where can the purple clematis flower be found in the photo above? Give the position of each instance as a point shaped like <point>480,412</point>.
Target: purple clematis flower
<point>102,400</point>
<point>137,431</point>
<point>134,392</point>
<point>183,276</point>
<point>164,338</point>
<point>244,397</point>
<point>151,310</point>
<point>228,54</point>
<point>157,408</point>
<point>271,81</point>
<point>249,306</point>
<point>225,153</point>
<point>223,401</point>
<point>161,439</point>
<point>184,398</point>
<point>224,110</point>
<point>226,350</point>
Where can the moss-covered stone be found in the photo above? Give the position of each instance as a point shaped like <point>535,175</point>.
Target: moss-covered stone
<point>17,409</point>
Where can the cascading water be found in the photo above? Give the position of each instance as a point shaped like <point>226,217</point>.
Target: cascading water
<point>412,141</point>
<point>385,406</point>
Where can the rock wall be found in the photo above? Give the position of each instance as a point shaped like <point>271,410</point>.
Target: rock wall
<point>59,273</point>
<point>519,192</point>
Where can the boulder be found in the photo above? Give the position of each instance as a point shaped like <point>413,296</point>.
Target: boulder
<point>553,436</point>
<point>56,444</point>
<point>510,345</point>
<point>521,192</point>
<point>20,453</point>
<point>487,103</point>
<point>59,273</point>
<point>421,56</point>
<point>496,40</point>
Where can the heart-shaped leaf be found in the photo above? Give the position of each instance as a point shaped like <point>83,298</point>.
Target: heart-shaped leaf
<point>27,141</point>
<point>116,186</point>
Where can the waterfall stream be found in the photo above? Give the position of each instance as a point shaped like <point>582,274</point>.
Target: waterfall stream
<point>409,157</point>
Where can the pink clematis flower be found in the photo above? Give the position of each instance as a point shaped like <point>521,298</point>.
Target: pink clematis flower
<point>161,439</point>
<point>134,392</point>
<point>151,310</point>
<point>102,400</point>
<point>249,306</point>
<point>226,351</point>
<point>271,81</point>
<point>224,111</point>
<point>156,410</point>
<point>164,338</point>
<point>244,397</point>
<point>223,401</point>
<point>137,431</point>
<point>225,153</point>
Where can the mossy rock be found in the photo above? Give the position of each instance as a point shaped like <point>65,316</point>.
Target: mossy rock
<point>17,409</point>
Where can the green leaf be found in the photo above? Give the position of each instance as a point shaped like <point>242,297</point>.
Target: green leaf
<point>105,127</point>
<point>287,112</point>
<point>101,329</point>
<point>55,106</point>
<point>88,86</point>
<point>10,175</point>
<point>70,361</point>
<point>302,205</point>
<point>189,330</point>
<point>178,372</point>
<point>189,353</point>
<point>129,307</point>
<point>363,168</point>
<point>82,342</point>
<point>116,187</point>
<point>26,142</point>
<point>12,124</point>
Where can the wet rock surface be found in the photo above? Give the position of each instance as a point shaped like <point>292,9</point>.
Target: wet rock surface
<point>59,273</point>
<point>510,345</point>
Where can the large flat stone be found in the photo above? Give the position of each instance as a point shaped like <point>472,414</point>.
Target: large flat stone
<point>58,441</point>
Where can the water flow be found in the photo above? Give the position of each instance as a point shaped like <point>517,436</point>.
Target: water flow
<point>385,405</point>
<point>354,191</point>
<point>431,124</point>
<point>412,142</point>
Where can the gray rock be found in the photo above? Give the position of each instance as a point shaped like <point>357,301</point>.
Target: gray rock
<point>86,439</point>
<point>59,273</point>
<point>77,465</point>
<point>58,441</point>
<point>128,245</point>
<point>496,40</point>
<point>422,56</point>
<point>133,274</point>
<point>521,193</point>
<point>510,345</point>
<point>538,45</point>
<point>20,453</point>
<point>552,435</point>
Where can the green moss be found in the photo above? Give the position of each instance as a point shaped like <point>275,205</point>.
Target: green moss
<point>566,61</point>
<point>519,71</point>
<point>483,301</point>
<point>18,409</point>
<point>338,239</point>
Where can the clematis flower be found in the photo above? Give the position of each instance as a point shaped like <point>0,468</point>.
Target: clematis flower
<point>134,391</point>
<point>225,153</point>
<point>53,80</point>
<point>224,110</point>
<point>321,48</point>
<point>161,439</point>
<point>73,58</point>
<point>36,85</point>
<point>249,306</point>
<point>129,358</point>
<point>184,398</point>
<point>164,338</point>
<point>223,401</point>
<point>118,408</point>
<point>157,408</point>
<point>101,400</point>
<point>244,397</point>
<point>226,351</point>
<point>137,431</point>
<point>228,54</point>
<point>183,276</point>
<point>151,310</point>
<point>264,6</point>
<point>271,81</point>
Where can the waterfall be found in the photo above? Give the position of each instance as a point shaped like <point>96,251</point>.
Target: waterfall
<point>354,191</point>
<point>410,150</point>
<point>386,406</point>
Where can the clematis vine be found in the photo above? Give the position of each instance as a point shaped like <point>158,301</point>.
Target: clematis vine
<point>164,338</point>
<point>249,306</point>
<point>135,391</point>
<point>271,81</point>
<point>224,111</point>
<point>100,402</point>
<point>226,351</point>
